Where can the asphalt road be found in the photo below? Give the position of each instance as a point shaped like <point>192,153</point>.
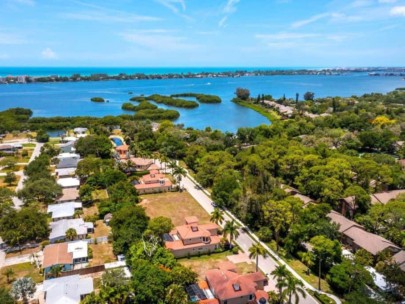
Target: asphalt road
<point>245,241</point>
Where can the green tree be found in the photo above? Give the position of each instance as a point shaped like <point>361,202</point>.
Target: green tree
<point>71,234</point>
<point>10,178</point>
<point>179,172</point>
<point>309,96</point>
<point>363,257</point>
<point>127,225</point>
<point>175,294</point>
<point>183,276</point>
<point>217,216</point>
<point>23,289</point>
<point>278,215</point>
<point>42,136</point>
<point>41,190</point>
<point>308,259</point>
<point>255,251</point>
<point>226,189</point>
<point>243,94</point>
<point>231,230</point>
<point>5,297</point>
<point>325,252</point>
<point>9,274</point>
<point>361,198</point>
<point>280,274</point>
<point>294,288</point>
<point>97,145</point>
<point>116,288</point>
<point>160,225</point>
<point>55,271</point>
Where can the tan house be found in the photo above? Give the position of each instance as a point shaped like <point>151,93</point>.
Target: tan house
<point>356,237</point>
<point>122,152</point>
<point>154,182</point>
<point>192,238</point>
<point>348,205</point>
<point>399,258</point>
<point>229,287</point>
<point>141,164</point>
<point>385,197</point>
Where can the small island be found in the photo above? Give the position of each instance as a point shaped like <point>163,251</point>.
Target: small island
<point>202,98</point>
<point>97,99</point>
<point>167,100</point>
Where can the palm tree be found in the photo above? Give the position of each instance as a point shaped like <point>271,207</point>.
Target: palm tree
<point>217,216</point>
<point>55,271</point>
<point>178,173</point>
<point>281,274</point>
<point>255,251</point>
<point>294,287</point>
<point>308,259</point>
<point>71,234</point>
<point>231,229</point>
<point>9,273</point>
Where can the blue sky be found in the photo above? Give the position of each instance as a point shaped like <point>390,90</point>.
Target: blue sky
<point>317,33</point>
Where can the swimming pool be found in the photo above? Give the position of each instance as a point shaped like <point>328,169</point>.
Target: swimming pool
<point>117,141</point>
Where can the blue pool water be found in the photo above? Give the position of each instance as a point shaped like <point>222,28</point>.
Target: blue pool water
<point>117,141</point>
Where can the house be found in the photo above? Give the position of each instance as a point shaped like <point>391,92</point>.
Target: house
<point>67,290</point>
<point>401,162</point>
<point>68,195</point>
<point>229,287</point>
<point>59,228</point>
<point>399,258</point>
<point>141,164</point>
<point>192,238</point>
<point>68,147</point>
<point>385,197</point>
<point>80,132</point>
<point>8,149</point>
<point>69,256</point>
<point>122,152</point>
<point>67,160</point>
<point>356,237</point>
<point>64,210</point>
<point>348,205</point>
<point>107,218</point>
<point>295,193</point>
<point>65,172</point>
<point>154,182</point>
<point>68,182</point>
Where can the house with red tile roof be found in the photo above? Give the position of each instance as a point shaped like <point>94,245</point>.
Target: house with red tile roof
<point>192,238</point>
<point>229,287</point>
<point>122,152</point>
<point>141,164</point>
<point>154,182</point>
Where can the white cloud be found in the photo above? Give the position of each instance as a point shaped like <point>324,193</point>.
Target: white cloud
<point>106,17</point>
<point>158,41</point>
<point>398,11</point>
<point>310,20</point>
<point>286,36</point>
<point>11,39</point>
<point>222,22</point>
<point>173,5</point>
<point>48,53</point>
<point>230,6</point>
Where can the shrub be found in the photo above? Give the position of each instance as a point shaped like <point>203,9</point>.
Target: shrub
<point>265,234</point>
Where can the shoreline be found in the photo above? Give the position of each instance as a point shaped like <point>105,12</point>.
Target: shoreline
<point>271,115</point>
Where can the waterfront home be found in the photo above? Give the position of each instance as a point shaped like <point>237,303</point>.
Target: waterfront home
<point>68,182</point>
<point>68,256</point>
<point>229,287</point>
<point>64,211</point>
<point>59,228</point>
<point>154,182</point>
<point>65,172</point>
<point>67,160</point>
<point>68,195</point>
<point>356,237</point>
<point>67,290</point>
<point>385,197</point>
<point>192,238</point>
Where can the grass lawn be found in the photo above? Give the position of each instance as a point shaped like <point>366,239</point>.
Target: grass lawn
<point>12,186</point>
<point>29,146</point>
<point>100,229</point>
<point>312,279</point>
<point>206,262</point>
<point>21,270</point>
<point>99,195</point>
<point>174,205</point>
<point>102,253</point>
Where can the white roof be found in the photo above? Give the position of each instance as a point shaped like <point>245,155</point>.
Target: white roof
<point>116,264</point>
<point>78,249</point>
<point>58,229</point>
<point>68,182</point>
<point>378,278</point>
<point>79,129</point>
<point>68,155</point>
<point>69,138</point>
<point>67,290</point>
<point>65,171</point>
<point>64,209</point>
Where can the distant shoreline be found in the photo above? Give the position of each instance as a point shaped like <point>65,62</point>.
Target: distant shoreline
<point>375,72</point>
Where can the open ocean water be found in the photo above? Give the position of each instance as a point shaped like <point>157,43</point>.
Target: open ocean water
<point>73,98</point>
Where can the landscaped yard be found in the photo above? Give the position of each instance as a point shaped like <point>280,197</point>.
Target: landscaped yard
<point>89,211</point>
<point>20,270</point>
<point>12,186</point>
<point>174,205</point>
<point>99,195</point>
<point>102,253</point>
<point>206,262</point>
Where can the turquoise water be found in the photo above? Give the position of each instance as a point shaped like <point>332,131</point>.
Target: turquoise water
<point>73,98</point>
<point>118,142</point>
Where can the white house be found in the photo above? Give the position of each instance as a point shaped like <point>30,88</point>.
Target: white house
<point>59,228</point>
<point>65,172</point>
<point>67,290</point>
<point>64,210</point>
<point>67,160</point>
<point>69,182</point>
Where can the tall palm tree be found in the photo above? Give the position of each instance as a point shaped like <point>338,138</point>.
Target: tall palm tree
<point>217,216</point>
<point>308,259</point>
<point>281,274</point>
<point>231,230</point>
<point>55,271</point>
<point>255,251</point>
<point>179,173</point>
<point>294,287</point>
<point>71,234</point>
